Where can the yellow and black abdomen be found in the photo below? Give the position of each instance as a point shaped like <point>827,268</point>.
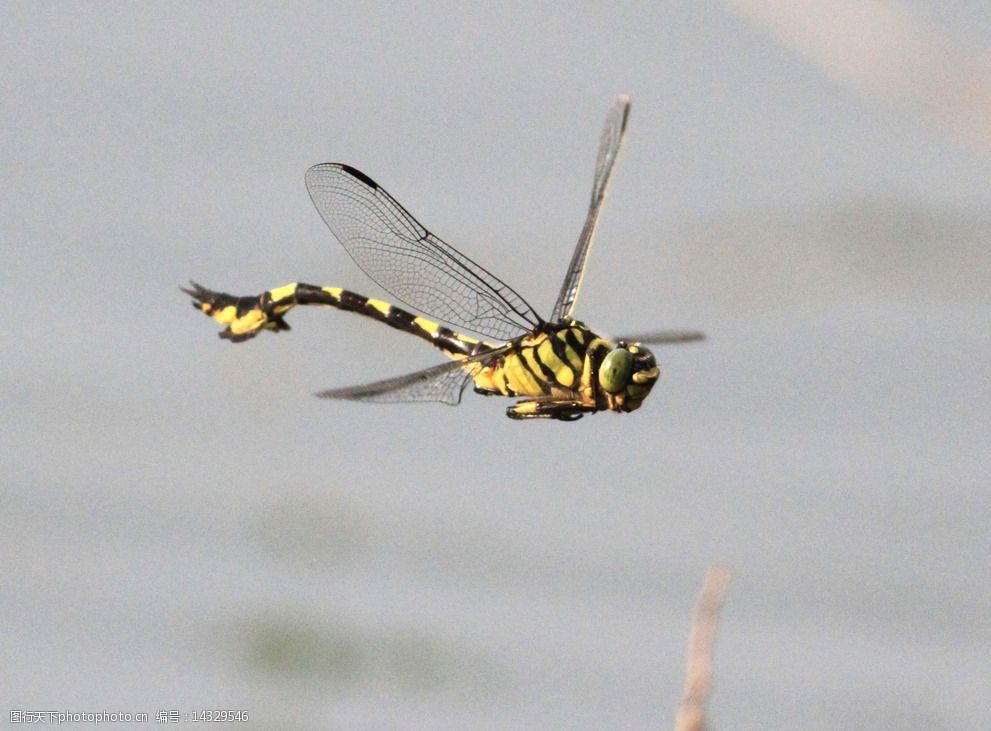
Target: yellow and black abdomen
<point>245,317</point>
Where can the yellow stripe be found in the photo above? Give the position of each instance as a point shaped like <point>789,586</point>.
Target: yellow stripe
<point>562,373</point>
<point>527,354</point>
<point>333,291</point>
<point>280,293</point>
<point>434,329</point>
<point>429,325</point>
<point>226,315</point>
<point>573,358</point>
<point>483,379</point>
<point>519,378</point>
<point>381,306</point>
<point>486,379</point>
<point>569,352</point>
<point>587,389</point>
<point>251,320</point>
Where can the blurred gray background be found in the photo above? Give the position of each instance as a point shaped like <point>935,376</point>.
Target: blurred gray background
<point>186,527</point>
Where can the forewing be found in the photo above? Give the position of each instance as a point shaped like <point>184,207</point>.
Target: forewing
<point>415,266</point>
<point>665,337</point>
<point>444,383</point>
<point>612,139</point>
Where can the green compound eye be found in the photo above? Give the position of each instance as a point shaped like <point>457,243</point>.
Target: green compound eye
<point>614,375</point>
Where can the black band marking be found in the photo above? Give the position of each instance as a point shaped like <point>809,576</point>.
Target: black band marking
<point>572,339</point>
<point>355,173</point>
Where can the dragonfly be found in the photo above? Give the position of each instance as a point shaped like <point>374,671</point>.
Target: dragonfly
<point>557,367</point>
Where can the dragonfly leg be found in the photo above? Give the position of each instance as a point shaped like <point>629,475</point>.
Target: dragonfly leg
<point>545,409</point>
<point>487,391</point>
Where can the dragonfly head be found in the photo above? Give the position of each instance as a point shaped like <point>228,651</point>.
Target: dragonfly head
<point>627,374</point>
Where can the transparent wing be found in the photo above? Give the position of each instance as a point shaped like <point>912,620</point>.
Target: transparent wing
<point>665,337</point>
<point>411,263</point>
<point>444,383</point>
<point>612,138</point>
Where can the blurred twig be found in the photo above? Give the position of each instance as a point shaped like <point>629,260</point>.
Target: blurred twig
<point>887,53</point>
<point>701,643</point>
